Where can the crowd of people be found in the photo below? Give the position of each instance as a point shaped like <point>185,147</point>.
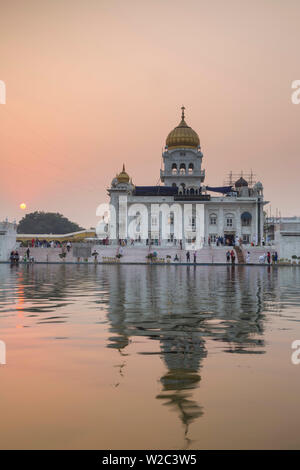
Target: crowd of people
<point>270,258</point>
<point>230,256</point>
<point>15,257</point>
<point>36,243</point>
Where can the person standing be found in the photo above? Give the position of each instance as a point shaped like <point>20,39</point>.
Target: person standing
<point>228,256</point>
<point>188,256</point>
<point>248,257</point>
<point>232,254</point>
<point>269,257</point>
<point>195,257</point>
<point>28,253</point>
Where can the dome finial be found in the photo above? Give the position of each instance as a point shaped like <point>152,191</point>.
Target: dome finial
<point>123,177</point>
<point>182,114</point>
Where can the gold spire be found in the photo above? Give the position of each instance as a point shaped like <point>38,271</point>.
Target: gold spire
<point>183,135</point>
<point>123,177</point>
<point>182,114</point>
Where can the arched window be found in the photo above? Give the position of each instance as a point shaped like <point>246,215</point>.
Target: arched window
<point>181,189</point>
<point>246,219</point>
<point>174,169</point>
<point>182,169</point>
<point>191,168</point>
<point>213,219</point>
<point>229,220</point>
<point>192,191</point>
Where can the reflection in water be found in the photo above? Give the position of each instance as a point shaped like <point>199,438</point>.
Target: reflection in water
<point>178,309</point>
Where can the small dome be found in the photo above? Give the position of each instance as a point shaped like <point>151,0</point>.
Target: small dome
<point>241,182</point>
<point>258,186</point>
<point>123,177</point>
<point>182,136</point>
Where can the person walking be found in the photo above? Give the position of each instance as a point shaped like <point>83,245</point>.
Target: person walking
<point>28,253</point>
<point>195,257</point>
<point>228,256</point>
<point>232,254</point>
<point>248,257</point>
<point>269,257</point>
<point>187,256</point>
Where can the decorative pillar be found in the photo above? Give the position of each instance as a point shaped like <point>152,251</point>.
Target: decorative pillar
<point>221,222</point>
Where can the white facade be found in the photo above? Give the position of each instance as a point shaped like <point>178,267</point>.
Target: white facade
<point>237,213</point>
<point>8,233</point>
<point>287,237</point>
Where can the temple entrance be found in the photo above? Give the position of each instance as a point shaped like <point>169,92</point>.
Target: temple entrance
<point>229,238</point>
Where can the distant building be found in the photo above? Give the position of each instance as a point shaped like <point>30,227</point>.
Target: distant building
<point>8,232</point>
<point>236,213</point>
<point>284,233</point>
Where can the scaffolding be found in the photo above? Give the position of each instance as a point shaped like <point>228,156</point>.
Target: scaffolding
<point>231,178</point>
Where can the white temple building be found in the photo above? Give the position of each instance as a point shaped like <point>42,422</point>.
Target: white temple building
<point>230,212</point>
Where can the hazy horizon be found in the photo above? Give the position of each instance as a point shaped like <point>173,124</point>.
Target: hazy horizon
<point>92,85</point>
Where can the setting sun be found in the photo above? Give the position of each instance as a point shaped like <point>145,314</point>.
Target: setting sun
<point>23,206</point>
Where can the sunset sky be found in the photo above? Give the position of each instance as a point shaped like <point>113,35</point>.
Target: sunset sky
<point>95,83</point>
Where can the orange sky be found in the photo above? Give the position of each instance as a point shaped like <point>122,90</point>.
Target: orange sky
<point>95,83</point>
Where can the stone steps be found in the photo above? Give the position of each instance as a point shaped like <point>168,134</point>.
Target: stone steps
<point>137,254</point>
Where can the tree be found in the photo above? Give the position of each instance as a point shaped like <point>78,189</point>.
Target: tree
<point>47,222</point>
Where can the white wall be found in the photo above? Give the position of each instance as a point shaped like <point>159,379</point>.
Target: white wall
<point>288,246</point>
<point>8,243</point>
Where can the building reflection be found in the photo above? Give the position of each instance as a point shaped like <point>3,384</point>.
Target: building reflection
<point>181,309</point>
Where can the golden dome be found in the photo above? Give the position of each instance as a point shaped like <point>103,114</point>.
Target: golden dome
<point>182,136</point>
<point>123,177</point>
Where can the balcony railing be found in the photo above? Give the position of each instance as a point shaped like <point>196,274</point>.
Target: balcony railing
<point>200,174</point>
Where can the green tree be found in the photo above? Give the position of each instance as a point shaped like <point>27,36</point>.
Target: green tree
<point>46,222</point>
